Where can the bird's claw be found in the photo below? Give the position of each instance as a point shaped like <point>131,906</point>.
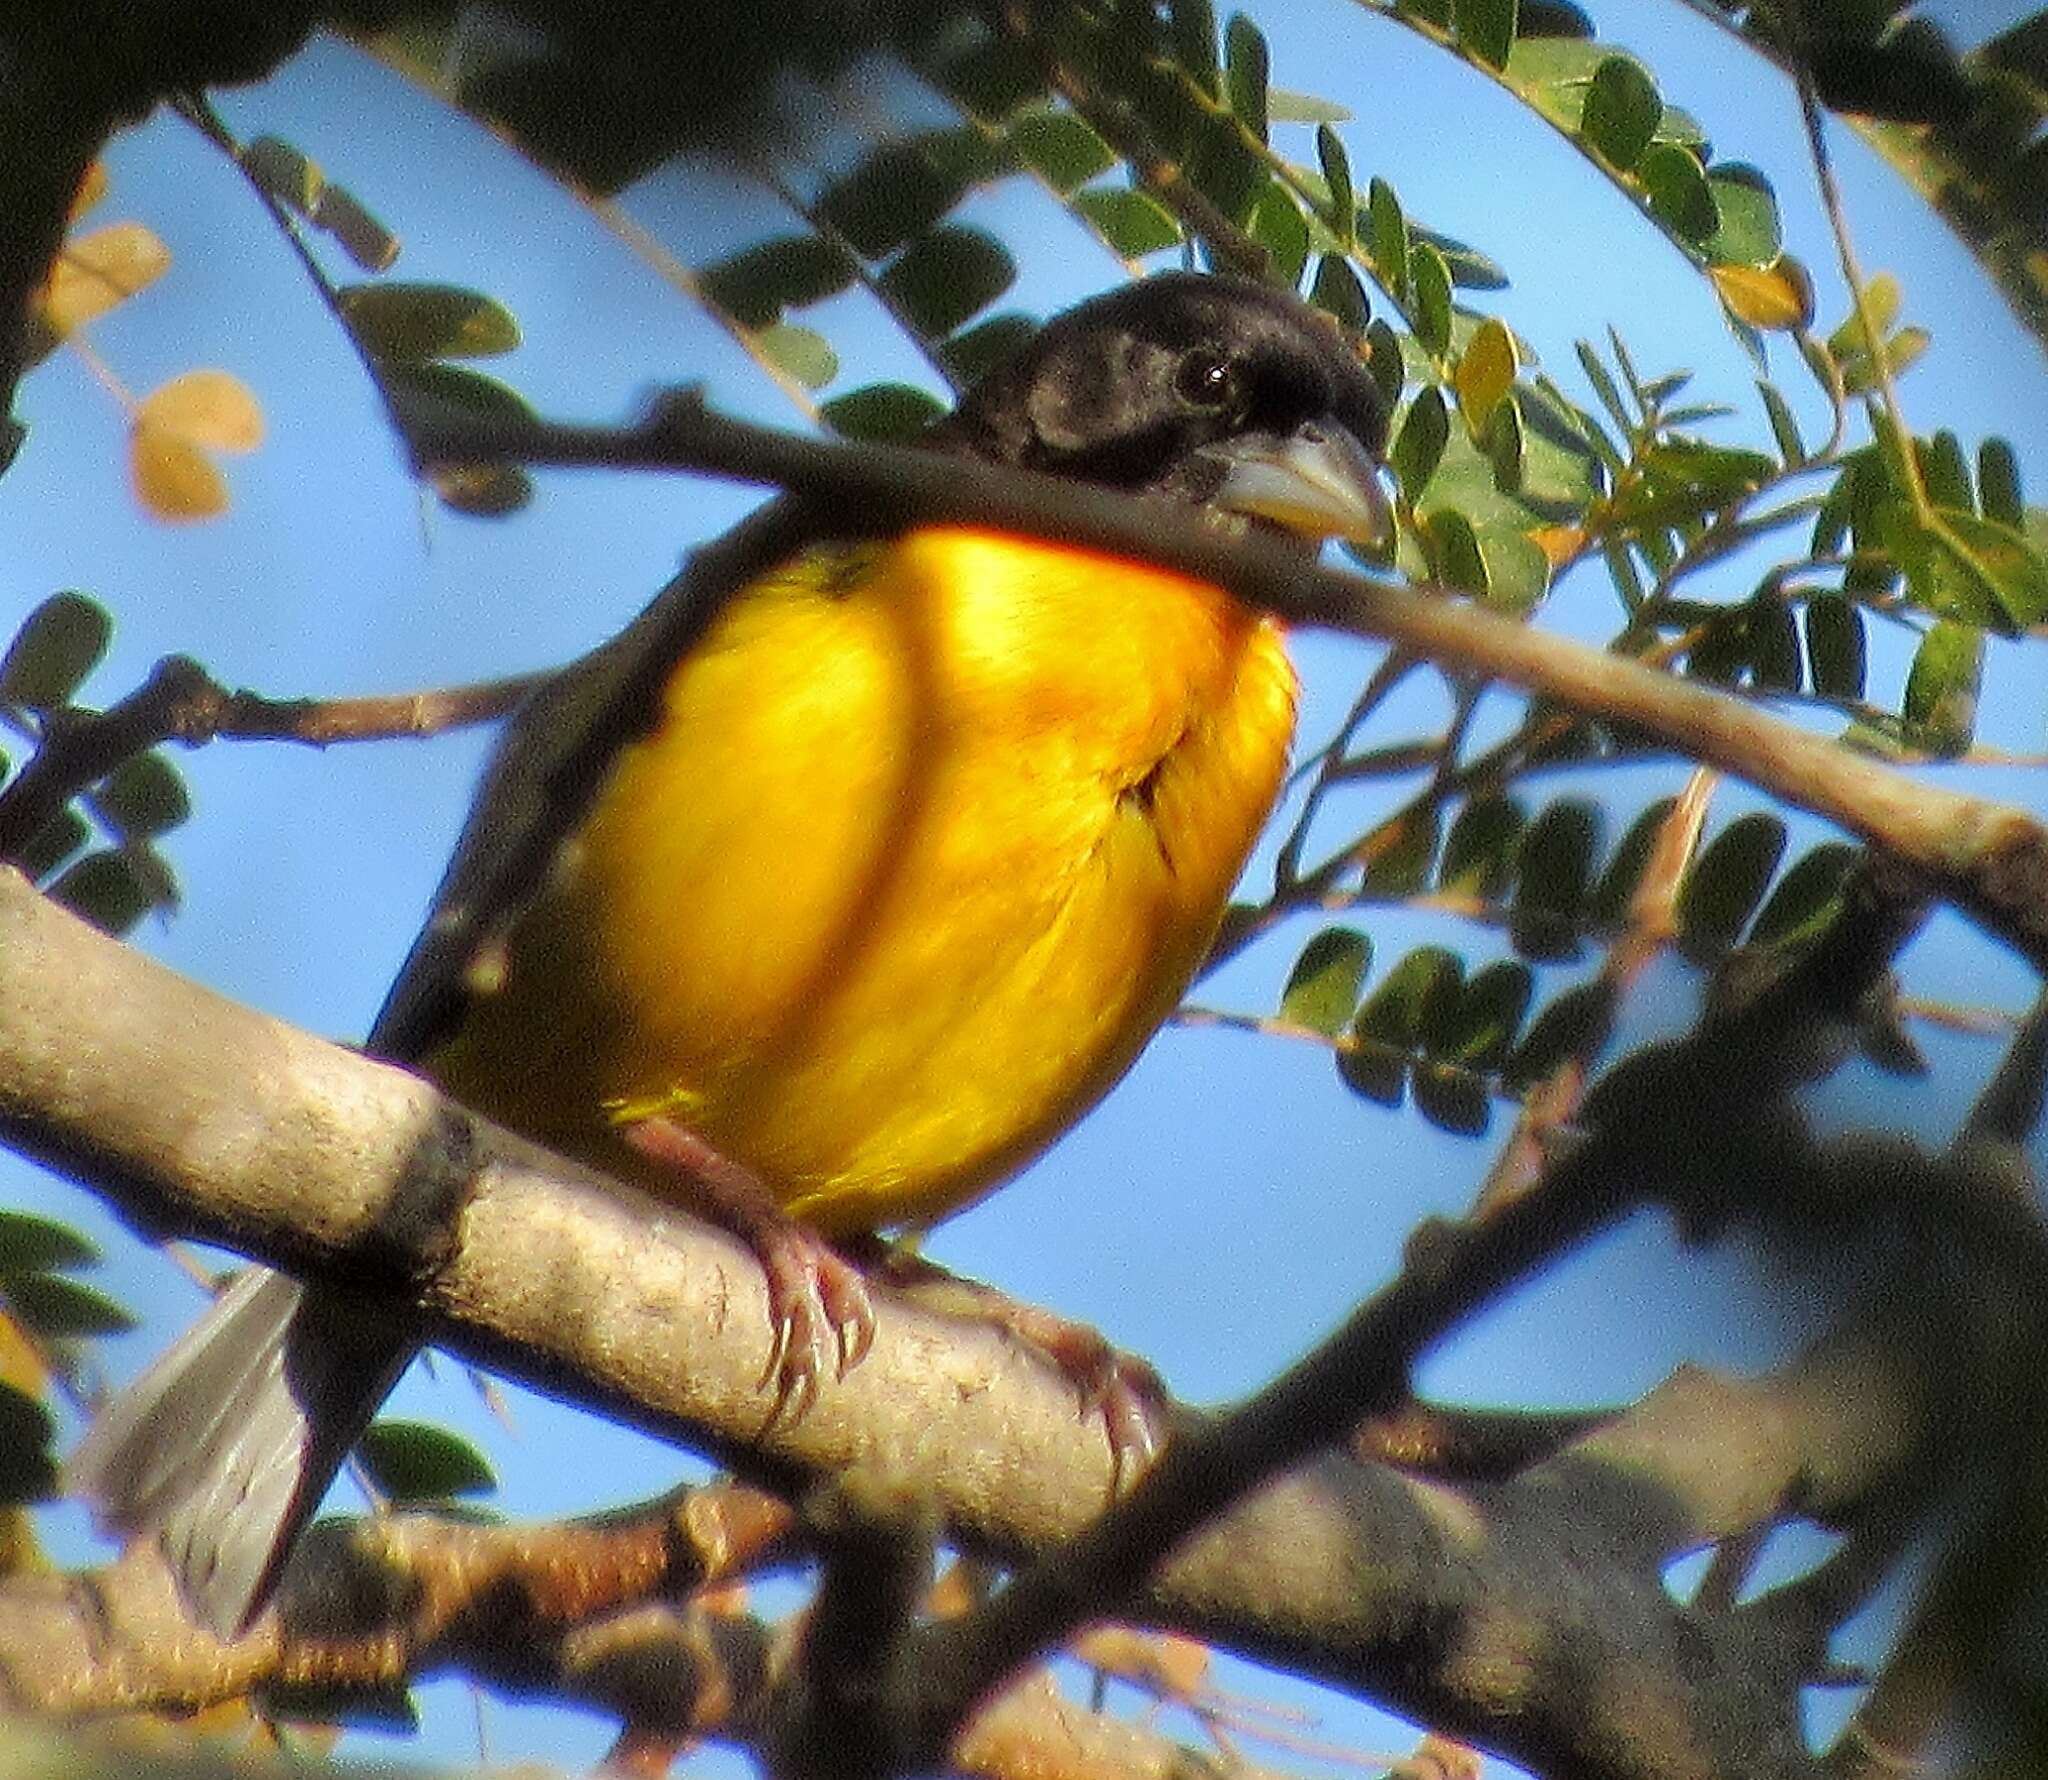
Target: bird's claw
<point>821,1316</point>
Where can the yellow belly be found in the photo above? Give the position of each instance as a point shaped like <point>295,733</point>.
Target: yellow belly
<point>928,840</point>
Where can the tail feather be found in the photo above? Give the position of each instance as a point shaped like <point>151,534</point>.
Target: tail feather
<point>224,1447</point>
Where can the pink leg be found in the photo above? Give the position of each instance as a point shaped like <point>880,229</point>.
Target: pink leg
<point>817,1299</point>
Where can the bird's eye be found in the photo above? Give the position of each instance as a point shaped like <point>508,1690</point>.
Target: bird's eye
<point>1206,380</point>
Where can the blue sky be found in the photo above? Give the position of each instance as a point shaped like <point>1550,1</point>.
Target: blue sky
<point>1230,1201</point>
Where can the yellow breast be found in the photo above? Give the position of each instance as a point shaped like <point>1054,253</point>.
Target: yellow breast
<point>927,842</point>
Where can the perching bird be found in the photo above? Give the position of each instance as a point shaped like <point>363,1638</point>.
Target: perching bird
<point>926,837</point>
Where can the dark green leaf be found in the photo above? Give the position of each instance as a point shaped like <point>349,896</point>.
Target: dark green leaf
<point>1246,65</point>
<point>1604,387</point>
<point>1835,646</point>
<point>1945,472</point>
<point>1683,479</point>
<point>31,1244</point>
<point>1807,896</point>
<point>1552,18</point>
<point>1412,999</point>
<point>1784,426</point>
<point>1279,227</point>
<point>1373,1071</point>
<point>1322,989</point>
<point>1998,477</point>
<point>1479,853</point>
<point>389,1709</point>
<point>1609,903</point>
<point>417,1462</point>
<point>971,355</point>
<point>1419,446</point>
<point>409,323</point>
<point>1749,232</point>
<point>1555,867</point>
<point>62,641</point>
<point>1389,229</point>
<point>362,235</point>
<point>1486,28</point>
<point>1134,223</point>
<point>1621,112</point>
<point>143,796</point>
<point>1504,444</point>
<point>755,286</point>
<point>1194,43</point>
<point>1489,1014</point>
<point>943,278</point>
<point>1383,360</point>
<point>459,387</point>
<point>1060,148</point>
<point>56,1308</point>
<point>53,843</point>
<point>1399,853</point>
<point>1941,688</point>
<point>989,76</point>
<point>1343,211</point>
<point>1470,269</point>
<point>28,1469</point>
<point>1773,645</point>
<point>1727,882</point>
<point>1678,192</point>
<point>106,889</point>
<point>1337,292</point>
<point>278,168</point>
<point>482,491</point>
<point>1430,280</point>
<point>1455,556</point>
<point>882,413</point>
<point>1451,1100</point>
<point>1575,1025</point>
<point>890,198</point>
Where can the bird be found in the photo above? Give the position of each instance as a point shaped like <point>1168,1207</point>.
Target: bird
<point>919,844</point>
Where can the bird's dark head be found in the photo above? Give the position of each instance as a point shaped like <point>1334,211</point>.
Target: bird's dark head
<point>1206,390</point>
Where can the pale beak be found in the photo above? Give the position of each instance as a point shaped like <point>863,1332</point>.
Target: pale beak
<point>1318,481</point>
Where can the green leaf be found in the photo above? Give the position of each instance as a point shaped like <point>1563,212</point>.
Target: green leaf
<point>409,323</point>
<point>1883,298</point>
<point>1400,851</point>
<point>1337,292</point>
<point>946,276</point>
<point>1342,215</point>
<point>1575,1025</point>
<point>1807,896</point>
<point>28,1468</point>
<point>1750,232</point>
<point>1486,372</point>
<point>1060,148</point>
<point>1998,480</point>
<point>1470,269</point>
<point>417,1462</point>
<point>362,235</point>
<point>1412,998</point>
<point>1677,189</point>
<point>1430,279</point>
<point>882,413</point>
<point>482,491</point>
<point>1784,425</point>
<point>1945,472</point>
<point>1193,23</point>
<point>56,1308</point>
<point>1859,371</point>
<point>31,1244</point>
<point>1682,479</point>
<point>1284,106</point>
<point>1998,559</point>
<point>1322,989</point>
<point>388,1709</point>
<point>1727,883</point>
<point>1134,223</point>
<point>1451,1099</point>
<point>1486,28</point>
<point>52,844</point>
<point>1771,638</point>
<point>1389,231</point>
<point>143,796</point>
<point>1621,111</point>
<point>1618,883</point>
<point>1835,646</point>
<point>1553,872</point>
<point>1940,708</point>
<point>970,356</point>
<point>1489,1015</point>
<point>62,641</point>
<point>1455,556</point>
<point>801,353</point>
<point>106,889</point>
<point>1383,360</point>
<point>755,286</point>
<point>1246,65</point>
<point>1419,446</point>
<point>281,170</point>
<point>1279,227</point>
<point>1604,386</point>
<point>1479,853</point>
<point>889,199</point>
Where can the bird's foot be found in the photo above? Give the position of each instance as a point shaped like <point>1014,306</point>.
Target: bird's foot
<point>819,1310</point>
<point>1127,1391</point>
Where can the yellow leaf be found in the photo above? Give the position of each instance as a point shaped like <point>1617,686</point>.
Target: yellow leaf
<point>91,189</point>
<point>1560,544</point>
<point>207,407</point>
<point>1485,373</point>
<point>1778,296</point>
<point>173,478</point>
<point>98,271</point>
